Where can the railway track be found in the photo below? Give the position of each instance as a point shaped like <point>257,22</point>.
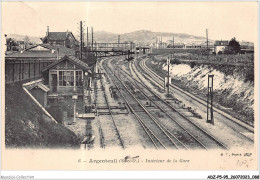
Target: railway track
<point>107,136</point>
<point>237,124</point>
<point>158,135</point>
<point>181,127</point>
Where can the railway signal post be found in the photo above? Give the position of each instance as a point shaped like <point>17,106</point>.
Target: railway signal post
<point>210,118</point>
<point>74,98</point>
<point>168,79</point>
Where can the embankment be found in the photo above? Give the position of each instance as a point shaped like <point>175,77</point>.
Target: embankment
<point>233,85</point>
<point>26,126</point>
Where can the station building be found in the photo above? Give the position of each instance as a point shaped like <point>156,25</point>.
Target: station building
<point>68,75</point>
<point>26,65</point>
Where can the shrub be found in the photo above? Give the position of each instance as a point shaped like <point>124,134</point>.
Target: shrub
<point>249,77</point>
<point>192,64</point>
<point>176,61</point>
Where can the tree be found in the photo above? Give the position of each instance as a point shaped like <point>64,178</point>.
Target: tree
<point>26,42</point>
<point>10,42</point>
<point>233,47</point>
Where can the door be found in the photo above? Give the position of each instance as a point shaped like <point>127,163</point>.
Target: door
<point>54,82</point>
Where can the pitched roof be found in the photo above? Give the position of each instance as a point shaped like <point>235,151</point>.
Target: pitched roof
<point>72,59</point>
<point>33,54</point>
<point>62,49</point>
<point>58,36</point>
<point>45,52</point>
<point>39,85</point>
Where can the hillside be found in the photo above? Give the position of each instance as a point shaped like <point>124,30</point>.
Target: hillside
<point>144,37</point>
<point>233,85</point>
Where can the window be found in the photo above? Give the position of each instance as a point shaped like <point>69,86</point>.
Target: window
<point>66,78</point>
<point>78,78</point>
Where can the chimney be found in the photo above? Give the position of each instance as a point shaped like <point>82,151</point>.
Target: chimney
<point>47,33</point>
<point>58,54</point>
<point>67,33</point>
<point>6,43</point>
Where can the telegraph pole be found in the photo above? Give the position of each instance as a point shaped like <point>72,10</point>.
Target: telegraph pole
<point>168,79</point>
<point>210,117</point>
<point>92,38</point>
<point>87,47</point>
<point>118,40</point>
<point>207,43</point>
<point>87,36</point>
<point>172,47</point>
<point>81,39</point>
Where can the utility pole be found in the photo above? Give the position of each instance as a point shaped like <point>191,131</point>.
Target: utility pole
<point>92,41</point>
<point>118,40</point>
<point>87,36</point>
<point>210,118</point>
<point>172,47</point>
<point>207,43</point>
<point>168,79</point>
<point>87,47</point>
<point>81,39</point>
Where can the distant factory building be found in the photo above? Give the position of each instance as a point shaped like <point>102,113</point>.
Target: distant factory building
<point>176,45</point>
<point>65,39</point>
<point>193,46</point>
<point>219,46</point>
<point>67,75</point>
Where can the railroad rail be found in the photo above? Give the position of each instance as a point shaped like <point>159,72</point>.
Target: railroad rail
<point>155,132</point>
<point>101,134</point>
<point>199,131</point>
<point>111,115</point>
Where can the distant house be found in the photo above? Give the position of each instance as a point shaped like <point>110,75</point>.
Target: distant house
<point>65,39</point>
<point>219,46</point>
<point>246,47</point>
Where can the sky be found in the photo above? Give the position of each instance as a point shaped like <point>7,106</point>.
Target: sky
<point>223,20</point>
